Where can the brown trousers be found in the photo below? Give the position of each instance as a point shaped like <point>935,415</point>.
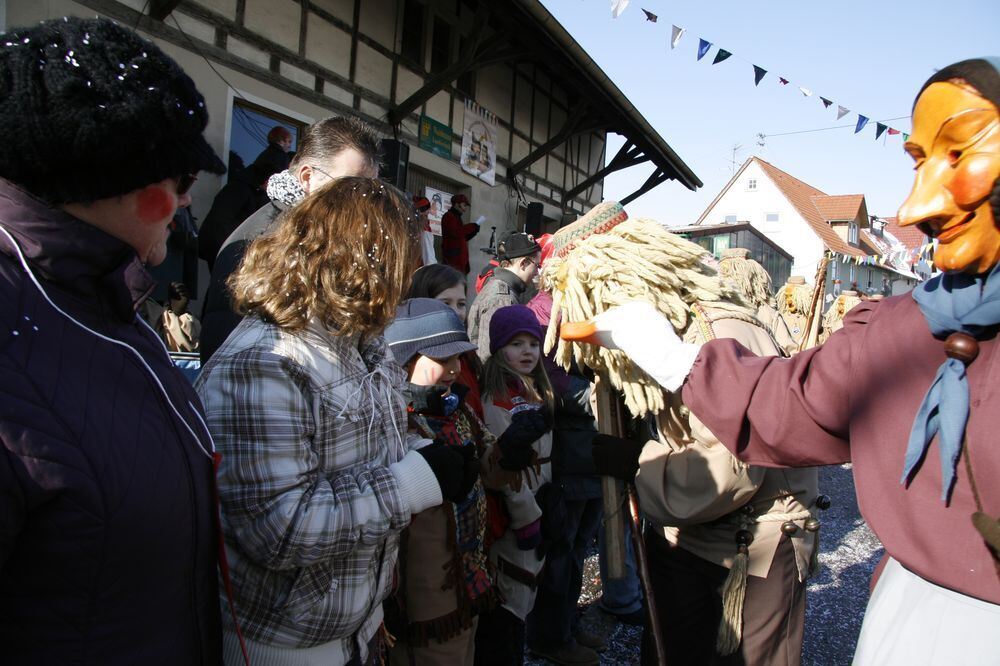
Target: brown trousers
<point>688,592</point>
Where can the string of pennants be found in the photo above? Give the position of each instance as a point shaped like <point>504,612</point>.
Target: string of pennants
<point>721,54</point>
<point>904,257</point>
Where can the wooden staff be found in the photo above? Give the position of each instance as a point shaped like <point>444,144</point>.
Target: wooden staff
<point>611,421</point>
<point>642,564</point>
<point>813,316</point>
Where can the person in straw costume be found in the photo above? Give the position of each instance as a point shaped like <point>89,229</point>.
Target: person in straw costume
<point>753,283</point>
<point>792,303</point>
<point>728,547</point>
<point>906,390</point>
<point>833,320</point>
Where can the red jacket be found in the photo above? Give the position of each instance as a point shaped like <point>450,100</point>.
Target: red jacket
<point>455,237</point>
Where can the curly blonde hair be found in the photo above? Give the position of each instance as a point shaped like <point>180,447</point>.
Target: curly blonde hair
<point>343,256</point>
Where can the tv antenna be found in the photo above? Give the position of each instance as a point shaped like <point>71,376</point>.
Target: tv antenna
<point>733,163</point>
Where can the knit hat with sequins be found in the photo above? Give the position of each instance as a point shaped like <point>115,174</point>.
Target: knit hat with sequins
<point>91,110</point>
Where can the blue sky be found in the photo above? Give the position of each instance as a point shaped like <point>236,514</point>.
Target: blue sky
<point>871,57</point>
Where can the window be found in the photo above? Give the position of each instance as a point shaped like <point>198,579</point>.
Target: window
<point>752,185</point>
<point>771,217</point>
<point>852,232</point>
<point>249,128</point>
<point>440,45</point>
<point>851,279</point>
<point>466,82</point>
<point>720,243</point>
<point>730,219</point>
<point>412,44</point>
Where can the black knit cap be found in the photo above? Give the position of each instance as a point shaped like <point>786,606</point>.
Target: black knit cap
<point>91,110</point>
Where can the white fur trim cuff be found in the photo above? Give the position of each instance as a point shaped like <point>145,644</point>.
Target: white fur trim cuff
<point>417,483</point>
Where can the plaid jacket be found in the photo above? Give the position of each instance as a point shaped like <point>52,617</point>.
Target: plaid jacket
<point>315,481</point>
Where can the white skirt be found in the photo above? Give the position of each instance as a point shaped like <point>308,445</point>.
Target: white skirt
<point>914,622</point>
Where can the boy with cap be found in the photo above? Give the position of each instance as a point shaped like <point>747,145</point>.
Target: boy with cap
<point>445,580</point>
<point>519,256</point>
<point>108,536</point>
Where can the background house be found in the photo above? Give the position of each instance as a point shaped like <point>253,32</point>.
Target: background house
<point>807,223</point>
<point>716,238</point>
<point>413,68</point>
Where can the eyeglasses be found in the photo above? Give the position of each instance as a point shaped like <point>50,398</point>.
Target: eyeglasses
<point>185,182</point>
<point>316,168</point>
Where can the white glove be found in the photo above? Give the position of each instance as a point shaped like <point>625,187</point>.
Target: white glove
<point>649,340</point>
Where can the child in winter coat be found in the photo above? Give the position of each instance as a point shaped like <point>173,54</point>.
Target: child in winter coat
<point>514,385</point>
<point>446,579</point>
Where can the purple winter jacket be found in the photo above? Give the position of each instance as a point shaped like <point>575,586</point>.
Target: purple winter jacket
<point>108,537</point>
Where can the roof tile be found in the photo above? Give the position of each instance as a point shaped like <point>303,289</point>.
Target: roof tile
<point>910,236</point>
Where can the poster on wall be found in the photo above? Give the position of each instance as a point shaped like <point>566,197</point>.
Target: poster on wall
<point>440,202</point>
<point>479,143</point>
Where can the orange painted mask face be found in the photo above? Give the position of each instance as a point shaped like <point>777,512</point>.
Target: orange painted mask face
<point>956,145</point>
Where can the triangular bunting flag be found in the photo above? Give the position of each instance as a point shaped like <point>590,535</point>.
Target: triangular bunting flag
<point>703,48</point>
<point>618,6</point>
<point>675,36</point>
<point>893,131</point>
<point>842,111</point>
<point>758,74</point>
<point>826,102</point>
<point>879,128</point>
<point>862,121</point>
<point>650,16</point>
<point>906,137</point>
<point>720,56</point>
<point>783,80</point>
<point>805,91</point>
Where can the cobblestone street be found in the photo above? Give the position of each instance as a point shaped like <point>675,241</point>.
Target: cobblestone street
<point>836,598</point>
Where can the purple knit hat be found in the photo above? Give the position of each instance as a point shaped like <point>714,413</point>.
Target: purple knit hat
<point>509,321</point>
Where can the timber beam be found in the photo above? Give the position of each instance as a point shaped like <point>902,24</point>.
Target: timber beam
<point>628,155</point>
<point>658,177</point>
<point>578,122</point>
<point>160,9</point>
<point>478,52</point>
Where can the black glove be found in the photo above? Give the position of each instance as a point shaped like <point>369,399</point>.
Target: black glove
<point>615,456</point>
<point>433,399</point>
<point>470,469</point>
<point>448,465</point>
<point>524,430</point>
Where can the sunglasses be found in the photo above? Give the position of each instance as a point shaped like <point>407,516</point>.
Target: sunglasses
<point>185,182</point>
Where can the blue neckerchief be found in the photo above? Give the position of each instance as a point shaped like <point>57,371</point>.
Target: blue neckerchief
<point>950,302</point>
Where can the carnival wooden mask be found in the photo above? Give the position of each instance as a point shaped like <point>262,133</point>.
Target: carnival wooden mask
<point>956,146</point>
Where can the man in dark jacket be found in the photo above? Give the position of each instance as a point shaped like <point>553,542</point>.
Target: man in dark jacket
<point>455,234</point>
<point>108,524</point>
<point>330,148</point>
<point>235,202</point>
<point>519,255</point>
